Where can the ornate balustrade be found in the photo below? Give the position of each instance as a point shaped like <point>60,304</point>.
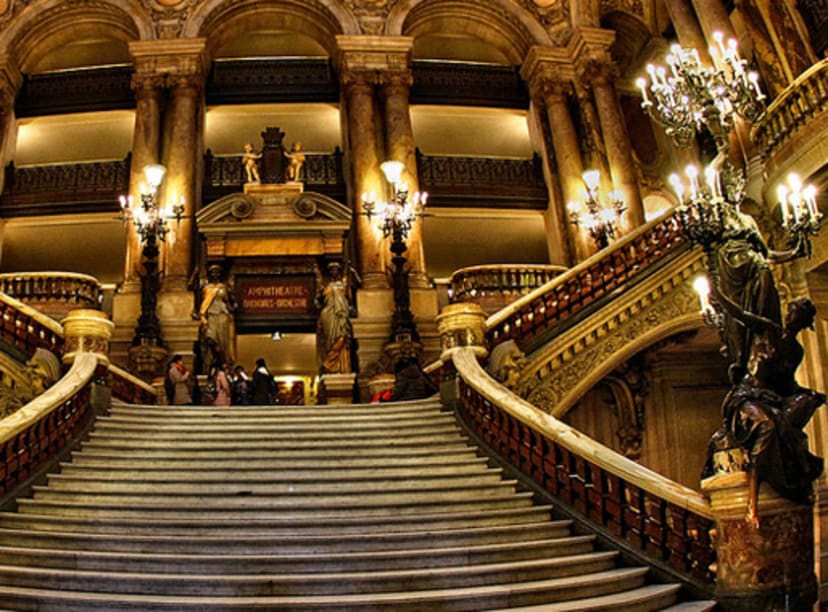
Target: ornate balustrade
<point>482,181</point>
<point>224,174</point>
<point>67,289</point>
<point>495,286</point>
<point>529,319</point>
<point>64,188</point>
<point>662,519</point>
<point>27,329</point>
<point>804,100</point>
<point>129,388</point>
<point>35,434</point>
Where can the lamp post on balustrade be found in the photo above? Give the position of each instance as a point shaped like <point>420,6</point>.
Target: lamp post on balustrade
<point>395,219</point>
<point>766,410</point>
<point>151,222</point>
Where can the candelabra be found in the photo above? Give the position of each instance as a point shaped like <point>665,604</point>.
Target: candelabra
<point>395,219</point>
<point>694,96</point>
<point>597,218</point>
<point>151,224</point>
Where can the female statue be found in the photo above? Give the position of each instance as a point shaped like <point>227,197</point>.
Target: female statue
<point>334,331</point>
<point>216,315</point>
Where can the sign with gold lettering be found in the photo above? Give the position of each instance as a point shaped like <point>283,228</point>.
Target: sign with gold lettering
<point>275,296</point>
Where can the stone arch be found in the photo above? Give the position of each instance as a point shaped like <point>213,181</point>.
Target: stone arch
<point>46,25</point>
<point>511,30</point>
<point>220,21</point>
<point>632,36</point>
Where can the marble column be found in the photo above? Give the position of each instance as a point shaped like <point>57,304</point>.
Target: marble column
<point>145,151</point>
<point>549,75</point>
<point>181,159</point>
<point>591,54</point>
<point>399,146</point>
<point>10,81</point>
<point>361,113</point>
<point>713,16</point>
<point>688,29</point>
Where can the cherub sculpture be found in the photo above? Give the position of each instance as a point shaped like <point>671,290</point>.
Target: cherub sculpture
<point>296,159</point>
<point>251,164</point>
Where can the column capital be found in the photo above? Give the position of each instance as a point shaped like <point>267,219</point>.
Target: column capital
<point>397,79</point>
<point>373,54</point>
<point>548,71</point>
<point>590,53</point>
<point>169,63</point>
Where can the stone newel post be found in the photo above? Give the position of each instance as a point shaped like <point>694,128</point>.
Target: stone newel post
<point>769,567</point>
<point>87,331</point>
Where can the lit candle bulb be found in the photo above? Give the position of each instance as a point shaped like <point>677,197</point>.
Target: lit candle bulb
<point>678,186</point>
<point>782,196</point>
<point>809,193</point>
<point>702,288</point>
<point>641,82</point>
<point>693,173</point>
<point>711,177</point>
<point>719,38</point>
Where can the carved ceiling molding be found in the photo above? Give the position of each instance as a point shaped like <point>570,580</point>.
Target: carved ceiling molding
<point>371,14</point>
<point>634,7</point>
<point>554,15</point>
<point>169,16</point>
<point>8,9</point>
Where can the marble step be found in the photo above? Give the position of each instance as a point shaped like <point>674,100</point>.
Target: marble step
<point>296,469</point>
<point>342,582</point>
<point>241,508</point>
<point>381,455</point>
<point>650,598</point>
<point>314,530</point>
<point>113,559</point>
<point>468,598</point>
<point>305,421</point>
<point>387,410</point>
<point>208,482</point>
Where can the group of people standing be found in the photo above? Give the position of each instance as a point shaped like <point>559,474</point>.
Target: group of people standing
<point>226,385</point>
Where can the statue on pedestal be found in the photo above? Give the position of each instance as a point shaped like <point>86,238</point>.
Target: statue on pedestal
<point>250,160</point>
<point>334,331</point>
<point>217,332</point>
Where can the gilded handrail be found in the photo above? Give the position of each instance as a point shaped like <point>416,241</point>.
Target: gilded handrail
<point>536,312</point>
<point>27,328</point>
<point>33,435</point>
<point>127,387</point>
<point>803,99</point>
<point>473,282</point>
<point>69,287</point>
<point>656,515</point>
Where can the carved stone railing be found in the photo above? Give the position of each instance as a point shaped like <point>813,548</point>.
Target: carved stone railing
<point>224,174</point>
<point>75,91</point>
<point>794,109</point>
<point>54,293</point>
<point>35,434</point>
<point>530,319</point>
<point>665,521</point>
<point>27,329</point>
<point>483,181</point>
<point>495,286</point>
<point>468,84</point>
<point>272,80</point>
<point>129,388</point>
<point>64,188</point>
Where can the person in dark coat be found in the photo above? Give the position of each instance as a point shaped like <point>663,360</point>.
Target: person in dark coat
<point>410,382</point>
<point>263,388</point>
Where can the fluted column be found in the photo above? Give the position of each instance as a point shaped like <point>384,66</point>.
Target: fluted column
<point>145,150</point>
<point>594,65</point>
<point>713,16</point>
<point>10,82</point>
<point>399,146</point>
<point>549,75</point>
<point>180,157</point>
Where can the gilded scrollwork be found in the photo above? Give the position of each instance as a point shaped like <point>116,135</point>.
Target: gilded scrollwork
<point>169,16</point>
<point>554,15</point>
<point>546,388</point>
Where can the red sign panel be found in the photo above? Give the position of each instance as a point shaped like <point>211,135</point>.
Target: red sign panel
<point>275,295</point>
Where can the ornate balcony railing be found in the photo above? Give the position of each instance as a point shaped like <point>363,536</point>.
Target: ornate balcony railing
<point>529,319</point>
<point>66,289</point>
<point>64,188</point>
<point>482,181</point>
<point>805,99</point>
<point>224,174</point>
<point>34,435</point>
<point>665,521</point>
<point>495,286</point>
<point>27,329</point>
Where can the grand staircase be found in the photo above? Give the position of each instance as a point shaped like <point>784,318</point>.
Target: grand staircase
<point>358,507</point>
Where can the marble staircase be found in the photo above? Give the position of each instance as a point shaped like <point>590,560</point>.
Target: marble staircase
<point>362,507</point>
